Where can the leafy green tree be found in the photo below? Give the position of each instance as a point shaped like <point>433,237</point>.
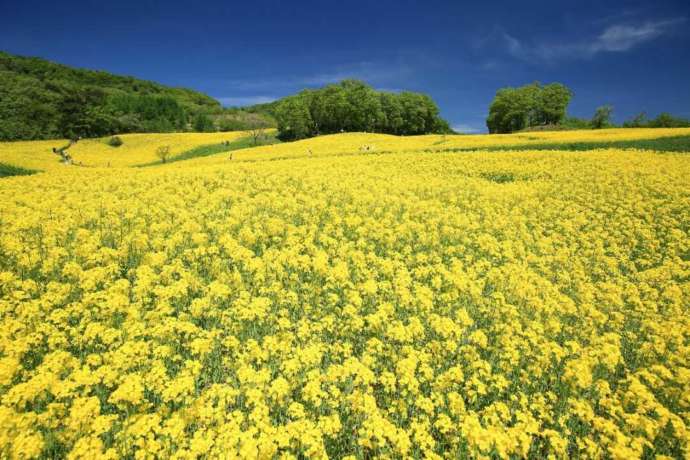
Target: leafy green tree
<point>294,119</point>
<point>551,103</point>
<point>509,111</point>
<point>392,121</point>
<point>26,112</point>
<point>331,108</point>
<point>413,113</point>
<point>419,114</point>
<point>638,121</point>
<point>666,120</point>
<point>363,112</point>
<point>602,117</point>
<point>202,123</point>
<point>514,109</point>
<point>257,129</point>
<point>82,114</point>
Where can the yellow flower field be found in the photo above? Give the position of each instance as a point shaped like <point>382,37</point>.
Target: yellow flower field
<point>137,149</point>
<point>351,143</point>
<point>407,305</point>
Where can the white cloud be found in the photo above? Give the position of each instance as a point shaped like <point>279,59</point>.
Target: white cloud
<point>624,37</point>
<point>241,101</point>
<point>466,129</point>
<point>614,39</point>
<point>371,72</point>
<point>368,71</point>
<point>378,74</point>
<point>390,90</point>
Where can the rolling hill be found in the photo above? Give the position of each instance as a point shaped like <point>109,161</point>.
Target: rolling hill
<point>40,99</point>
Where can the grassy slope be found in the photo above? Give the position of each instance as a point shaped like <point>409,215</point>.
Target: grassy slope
<point>213,149</point>
<point>136,149</point>
<point>661,144</point>
<point>9,170</point>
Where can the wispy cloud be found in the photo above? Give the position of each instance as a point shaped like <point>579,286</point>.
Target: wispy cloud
<point>371,72</point>
<point>261,89</point>
<point>241,101</point>
<point>466,129</point>
<point>389,90</point>
<point>368,71</point>
<point>625,37</point>
<point>615,38</point>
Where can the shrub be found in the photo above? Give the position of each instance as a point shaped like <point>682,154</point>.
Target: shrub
<point>576,123</point>
<point>666,120</point>
<point>163,152</point>
<point>602,117</point>
<point>115,141</point>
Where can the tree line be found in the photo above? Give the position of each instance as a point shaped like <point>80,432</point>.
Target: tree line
<point>42,100</point>
<point>354,106</point>
<point>537,106</point>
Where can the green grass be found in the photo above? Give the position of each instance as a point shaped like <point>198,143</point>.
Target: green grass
<point>9,170</point>
<point>661,144</point>
<point>212,149</point>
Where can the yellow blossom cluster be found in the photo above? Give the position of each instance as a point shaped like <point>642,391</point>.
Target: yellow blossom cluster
<point>407,305</point>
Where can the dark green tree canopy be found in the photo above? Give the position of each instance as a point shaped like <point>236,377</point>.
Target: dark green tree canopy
<point>354,106</point>
<point>294,118</point>
<point>602,117</point>
<point>41,99</point>
<point>514,109</point>
<point>663,120</point>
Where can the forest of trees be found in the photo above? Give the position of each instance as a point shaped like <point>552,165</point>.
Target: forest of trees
<point>354,106</point>
<point>515,109</point>
<point>537,107</point>
<point>40,99</point>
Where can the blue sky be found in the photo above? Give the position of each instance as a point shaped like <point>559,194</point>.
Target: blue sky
<point>634,55</point>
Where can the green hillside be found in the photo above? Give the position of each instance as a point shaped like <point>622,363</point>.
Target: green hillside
<point>40,99</point>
